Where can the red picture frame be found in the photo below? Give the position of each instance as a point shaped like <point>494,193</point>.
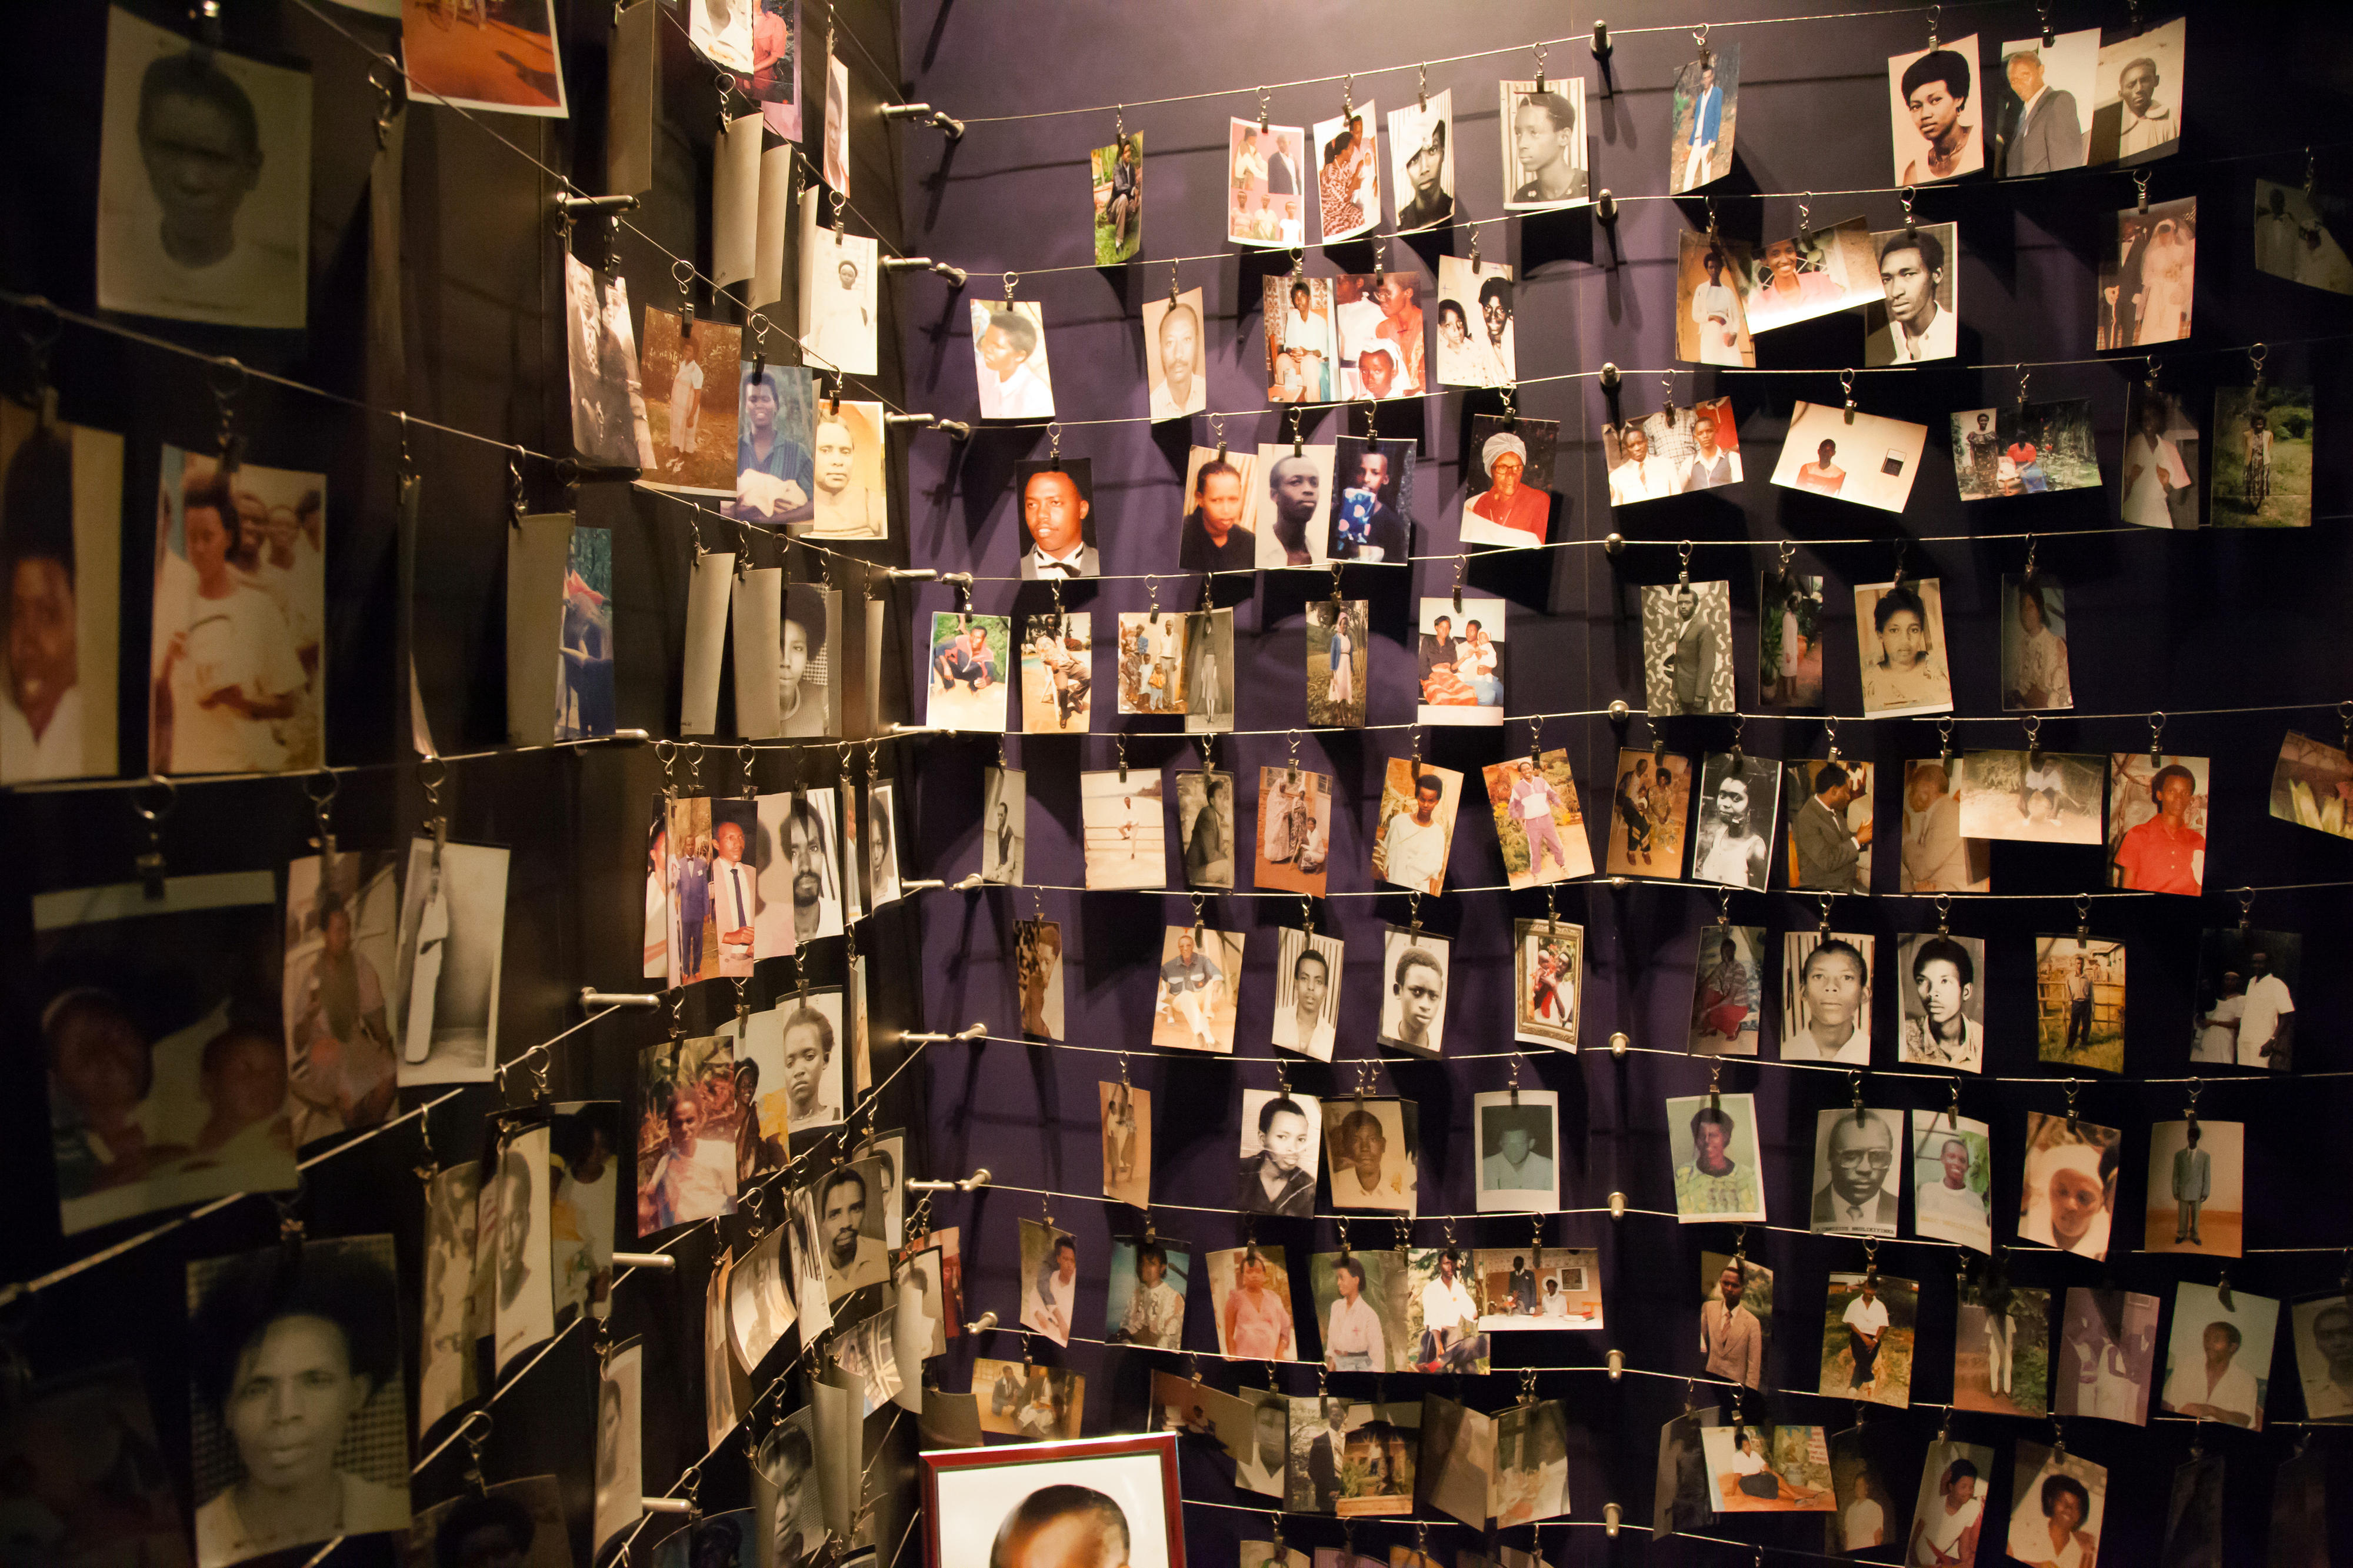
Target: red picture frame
<point>1022,1455</point>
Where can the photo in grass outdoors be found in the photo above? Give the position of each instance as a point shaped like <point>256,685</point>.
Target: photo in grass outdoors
<point>1117,175</point>
<point>1337,663</point>
<point>2024,448</point>
<point>1867,1337</point>
<point>2262,475</point>
<point>1538,823</point>
<point>2001,1347</point>
<point>1768,1469</point>
<point>691,403</point>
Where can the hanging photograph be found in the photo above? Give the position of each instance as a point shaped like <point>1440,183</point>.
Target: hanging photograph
<point>451,949</point>
<point>2002,1348</point>
<point>1706,105</point>
<point>2034,672</point>
<point>1937,858</point>
<point>99,1489</point>
<point>2058,1506</point>
<point>1949,1515</point>
<point>775,432</point>
<point>2245,999</point>
<point>2262,458</point>
<point>1860,458</point>
<point>1306,992</point>
<point>1919,318</point>
<point>2293,241</point>
<point>1056,504</point>
<point>1649,806</point>
<point>1004,825</point>
<point>1369,1150</point>
<point>453,1310</point>
<point>1952,1179</point>
<point>848,500</point>
<point>1867,1337</point>
<point>2322,1330</point>
<point>1145,1303</point>
<point>342,948</point>
<point>1293,846</point>
<point>2045,797</point>
<point>2148,274</point>
<point>1461,660</point>
<point>1371,512</point>
<point>837,303</point>
<point>1152,662</point>
<point>1035,1403</point>
<point>1249,1291</point>
<point>1935,112</point>
<point>1302,346</point>
<point>1383,353</point>
<point>1826,996</point>
<point>2040,109</point>
<point>1413,828</point>
<point>1338,659</point>
<point>1421,162</point>
<point>1680,1495</point>
<point>1538,1288</point>
<point>1277,1171</point>
<point>609,406</point>
<point>1196,1001</point>
<point>2136,105</point>
<point>1899,640</point>
<point>775,78</point>
<point>686,1132</point>
<point>1455,1464</point>
<point>2107,1361</point>
<point>1507,498</point>
<point>1687,646</point>
<point>1038,971</point>
<point>1942,1010</point>
<point>1215,533</point>
<point>2197,1187</point>
<point>1209,680</point>
<point>1856,1175</point>
<point>1829,825</point>
<point>799,1047</point>
<point>1348,174</point>
<point>1727,973</point>
<point>1265,181</point>
<point>2312,785</point>
<point>619,1501</point>
<point>1126,1114</point>
<point>2070,1186</point>
<point>835,149</point>
<point>1711,324</point>
<point>62,534</point>
<point>585,690</point>
<point>1476,345</point>
<point>1712,1147</point>
<point>1176,368</point>
<point>203,180</point>
<point>1205,826</point>
<point>2164,460</point>
<point>1788,642</point>
<point>2158,806</point>
<point>238,673</point>
<point>1008,355</point>
<point>1518,1150</point>
<point>1117,173</point>
<point>2025,448</point>
<point>324,1319</point>
<point>2080,1002</point>
<point>1769,1469</point>
<point>1814,273</point>
<point>1544,145</point>
<point>1672,452</point>
<point>1057,674</point>
<point>797,871</point>
<point>1538,823</point>
<point>1414,965</point>
<point>1125,830</point>
<point>970,656</point>
<point>691,419</point>
<point>1739,795</point>
<point>1639,471</point>
<point>1861,1497</point>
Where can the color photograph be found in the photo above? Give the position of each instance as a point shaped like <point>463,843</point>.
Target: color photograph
<point>1413,828</point>
<point>2197,1187</point>
<point>1293,846</point>
<point>1769,1469</point>
<point>1727,972</point>
<point>1538,823</point>
<point>1117,175</point>
<point>1711,322</point>
<point>2002,1348</point>
<point>2070,1191</point>
<point>1649,806</point>
<point>1864,458</point>
<point>1707,108</point>
<point>2148,275</point>
<point>1867,1337</point>
<point>1337,662</point>
<point>2024,448</point>
<point>2078,986</point>
<point>2262,458</point>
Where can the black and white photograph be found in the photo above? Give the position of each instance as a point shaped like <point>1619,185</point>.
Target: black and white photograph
<point>1900,639</point>
<point>798,1052</point>
<point>2218,1365</point>
<point>2197,1187</point>
<point>1009,359</point>
<point>1280,1136</point>
<point>2262,456</point>
<point>448,1309</point>
<point>2024,448</point>
<point>204,181</point>
<point>2322,1328</point>
<point>1712,1147</point>
<point>1413,990</point>
<point>1421,162</point>
<point>1038,971</point>
<point>2044,797</point>
<point>1153,668</point>
<point>1338,662</point>
<point>1942,1010</point>
<point>1861,1523</point>
<point>919,1301</point>
<point>1548,983</point>
<point>1545,136</point>
<point>1209,672</point>
<point>1347,172</point>
<point>96,1488</point>
<point>2058,1505</point>
<point>1196,1000</point>
<point>1816,272</point>
<point>797,871</point>
<point>341,943</point>
<point>1866,458</point>
<point>2106,1362</point>
<point>1507,490</point>
<point>1530,1481</point>
<point>61,528</point>
<point>162,1030</point>
<point>686,1164</point>
<point>1454,1467</point>
<point>236,671</point>
<point>2069,1193</point>
<point>1144,1304</point>
<point>609,427</point>
<point>2293,239</point>
<point>1788,642</point>
<point>1917,314</point>
<point>1476,343</point>
<point>1540,1287</point>
<point>1003,824</point>
<point>1857,1175</point>
<point>525,1307</point>
<point>1126,1114</point>
<point>1727,990</point>
<point>1291,510</point>
<point>2149,271</point>
<point>1952,1179</point>
<point>881,847</point>
<point>1735,1317</point>
<point>2164,462</point>
<point>1368,500</point>
<point>969,670</point>
<point>2157,805</point>
<point>1868,1330</point>
<point>1462,664</point>
<point>868,1362</point>
<point>2137,101</point>
<point>1370,1149</point>
<point>1829,825</point>
<point>1769,1469</point>
<point>1006,1505</point>
<point>839,289</point>
<point>1826,996</point>
<point>1518,1147</point>
<point>2245,998</point>
<point>1056,504</point>
<point>1687,648</point>
<point>1936,117</point>
<point>1307,968</point>
<point>1707,107</point>
<point>2040,111</point>
<point>847,1209</point>
<point>2001,1345</point>
<point>621,1464</point>
<point>1176,370</point>
<point>317,1330</point>
<point>1949,1516</point>
<point>759,1300</point>
<point>1680,1497</point>
<point>518,1522</point>
<point>729,1540</point>
<point>1711,323</point>
<point>787,1491</point>
<point>1739,798</point>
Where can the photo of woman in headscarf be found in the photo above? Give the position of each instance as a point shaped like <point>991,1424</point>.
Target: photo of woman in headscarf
<point>1507,512</point>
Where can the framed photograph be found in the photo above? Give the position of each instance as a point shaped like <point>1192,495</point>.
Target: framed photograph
<point>1302,347</point>
<point>2045,797</point>
<point>1280,1133</point>
<point>1421,159</point>
<point>1735,1317</point>
<point>1900,639</point>
<point>1544,145</point>
<point>1935,115</point>
<point>1127,1113</point>
<point>2262,458</point>
<point>2147,275</point>
<point>1919,316</point>
<point>1647,808</point>
<point>1414,824</point>
<point>2163,464</point>
<point>1711,321</point>
<point>1949,1514</point>
<point>1548,977</point>
<point>1293,506</point>
<point>1952,1179</point>
<point>1518,1147</point>
<point>2157,822</point>
<point>2002,1348</point>
<point>1126,827</point>
<point>2197,1187</point>
<point>1476,345</point>
<point>1712,1145</point>
<point>1826,996</point>
<point>1942,1010</point>
<point>1145,1303</point>
<point>1788,642</point>
<point>1266,172</point>
<point>1769,1469</point>
<point>1348,172</point>
<point>1856,1173</point>
<point>1815,273</point>
<point>1038,970</point>
<point>1706,105</point>
<point>1728,983</point>
<point>1339,662</point>
<point>1867,1337</point>
<point>1198,995</point>
<point>2246,997</point>
<point>2058,1505</point>
<point>2068,1196</point>
<point>1369,1147</point>
<point>2219,1360</point>
<point>1414,965</point>
<point>1740,798</point>
<point>1250,1290</point>
<point>1205,825</point>
<point>1308,969</point>
<point>1507,497</point>
<point>1687,648</point>
<point>2079,1002</point>
<point>1865,458</point>
<point>1538,1286</point>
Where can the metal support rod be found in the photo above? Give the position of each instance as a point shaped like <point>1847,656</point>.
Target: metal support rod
<point>912,573</point>
<point>678,1505</point>
<point>919,883</point>
<point>971,1032</point>
<point>572,206</point>
<point>592,997</point>
<point>966,884</point>
<point>954,429</point>
<point>980,1177</point>
<point>981,1324</point>
<point>659,1262</point>
<point>908,263</point>
<point>926,420</point>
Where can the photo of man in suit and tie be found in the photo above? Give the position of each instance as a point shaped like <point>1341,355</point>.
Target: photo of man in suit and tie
<point>2039,121</point>
<point>1855,1178</point>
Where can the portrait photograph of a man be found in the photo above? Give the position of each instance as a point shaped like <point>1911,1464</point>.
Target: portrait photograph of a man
<point>1856,1172</point>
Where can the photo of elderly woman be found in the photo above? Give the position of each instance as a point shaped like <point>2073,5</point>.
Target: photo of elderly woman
<point>298,1424</point>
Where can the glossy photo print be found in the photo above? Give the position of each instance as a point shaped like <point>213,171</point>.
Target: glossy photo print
<point>1857,1172</point>
<point>1867,1337</point>
<point>2042,105</point>
<point>2164,462</point>
<point>2106,1361</point>
<point>2197,1187</point>
<point>1739,796</point>
<point>1348,172</point>
<point>1476,343</point>
<point>1672,452</point>
<point>1706,103</point>
<point>1727,988</point>
<point>1205,827</point>
<point>1037,960</point>
<point>2024,448</point>
<point>1460,660</point>
<point>2158,807</point>
<point>1057,674</point>
<point>1936,115</point>
<point>1864,458</point>
<point>1650,804</point>
<point>1056,504</point>
<point>2080,1002</point>
<point>837,294</point>
<point>1371,1147</point>
<point>2048,798</point>
<point>1711,321</point>
<point>1126,828</point>
<point>968,662</point>
<point>1175,373</point>
<point>1384,354</point>
<point>1789,642</point>
<point>1302,346</point>
<point>1917,316</point>
<point>1712,1146</point>
<point>61,534</point>
<point>1544,134</point>
<point>2002,1348</point>
<point>1196,1000</point>
<point>1266,185</point>
<point>1900,642</point>
<point>608,405</point>
<point>1145,1303</point>
<point>2245,1004</point>
<point>1292,846</point>
<point>1421,158</point>
<point>691,414</point>
<point>1293,507</point>
<point>2148,271</point>
<point>1940,980</point>
<point>1414,973</point>
<point>2262,458</point>
<point>1507,498</point>
<point>1008,353</point>
<point>1812,273</point>
<point>1117,173</point>
<point>1831,838</point>
<point>1414,824</point>
<point>341,952</point>
<point>1370,510</point>
<point>1339,662</point>
<point>1539,825</point>
<point>1768,1469</point>
<point>2034,669</point>
<point>2067,1198</point>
